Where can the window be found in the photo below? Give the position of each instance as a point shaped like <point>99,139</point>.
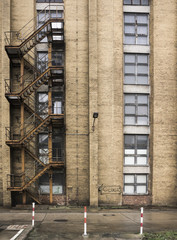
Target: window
<point>42,105</point>
<point>136,29</point>
<point>58,182</point>
<point>49,1</point>
<point>136,110</point>
<point>136,69</point>
<point>57,145</point>
<point>42,61</point>
<point>135,184</point>
<point>136,149</point>
<point>57,58</point>
<point>136,2</point>
<point>43,148</point>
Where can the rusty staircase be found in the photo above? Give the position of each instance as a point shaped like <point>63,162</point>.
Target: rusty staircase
<point>53,29</point>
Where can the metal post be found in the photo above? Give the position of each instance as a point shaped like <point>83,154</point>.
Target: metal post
<point>33,208</point>
<point>85,221</point>
<point>141,225</point>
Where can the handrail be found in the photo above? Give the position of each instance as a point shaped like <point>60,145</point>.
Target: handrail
<point>21,35</point>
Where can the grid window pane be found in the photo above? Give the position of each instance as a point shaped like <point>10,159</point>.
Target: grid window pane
<point>129,98</point>
<point>129,160</point>
<point>142,80</point>
<point>127,2</point>
<point>136,28</point>
<point>129,18</point>
<point>141,160</point>
<point>136,109</point>
<point>129,179</point>
<point>135,184</point>
<point>136,69</point>
<point>141,178</point>
<point>141,189</point>
<point>129,189</point>
<point>129,79</point>
<point>135,149</point>
<point>130,120</point>
<point>136,2</point>
<point>130,40</point>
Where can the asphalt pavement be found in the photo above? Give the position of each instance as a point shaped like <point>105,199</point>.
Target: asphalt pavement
<point>68,223</point>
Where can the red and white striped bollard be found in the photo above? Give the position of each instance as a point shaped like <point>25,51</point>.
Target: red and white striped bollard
<point>141,225</point>
<point>85,221</point>
<point>33,204</point>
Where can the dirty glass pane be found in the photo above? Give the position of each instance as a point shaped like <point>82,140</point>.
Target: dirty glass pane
<point>142,30</point>
<point>141,189</point>
<point>142,18</point>
<point>129,29</point>
<point>129,160</point>
<point>129,179</point>
<point>129,58</point>
<point>129,40</point>
<point>141,160</point>
<point>130,120</point>
<point>127,2</point>
<point>129,189</point>
<point>142,120</point>
<point>129,141</point>
<point>129,151</point>
<point>129,79</point>
<point>142,79</point>
<point>142,69</point>
<point>142,142</point>
<point>136,2</point>
<point>142,40</point>
<point>129,109</point>
<point>141,179</point>
<point>129,98</point>
<point>130,69</point>
<point>142,110</point>
<point>129,18</point>
<point>142,58</point>
<point>145,2</point>
<point>142,99</point>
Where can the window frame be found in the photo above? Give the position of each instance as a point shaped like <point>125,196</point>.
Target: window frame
<point>136,155</point>
<point>131,4</point>
<point>136,105</point>
<point>49,1</point>
<point>136,64</point>
<point>135,184</point>
<point>136,24</point>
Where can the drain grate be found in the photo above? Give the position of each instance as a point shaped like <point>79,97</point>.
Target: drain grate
<point>108,215</point>
<point>60,220</point>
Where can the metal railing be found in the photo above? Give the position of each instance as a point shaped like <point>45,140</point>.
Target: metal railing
<point>17,37</point>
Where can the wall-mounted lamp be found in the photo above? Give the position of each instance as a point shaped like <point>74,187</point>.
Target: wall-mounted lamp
<point>95,115</point>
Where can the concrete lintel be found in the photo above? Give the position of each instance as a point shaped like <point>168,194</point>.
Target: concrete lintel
<point>136,9</point>
<point>135,169</point>
<point>136,130</point>
<point>136,89</point>
<point>137,49</point>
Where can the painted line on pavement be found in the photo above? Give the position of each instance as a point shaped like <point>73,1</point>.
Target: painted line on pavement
<point>16,235</point>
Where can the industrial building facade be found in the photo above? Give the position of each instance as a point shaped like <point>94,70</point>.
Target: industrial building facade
<point>88,102</point>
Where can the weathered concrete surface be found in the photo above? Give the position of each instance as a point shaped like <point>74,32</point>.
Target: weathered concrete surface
<point>102,224</point>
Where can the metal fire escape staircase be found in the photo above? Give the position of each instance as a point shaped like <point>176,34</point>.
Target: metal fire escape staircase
<point>53,29</point>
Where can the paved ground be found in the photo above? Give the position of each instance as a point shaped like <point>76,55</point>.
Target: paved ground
<point>102,223</point>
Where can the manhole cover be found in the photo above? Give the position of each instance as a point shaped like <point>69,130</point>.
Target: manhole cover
<point>60,220</point>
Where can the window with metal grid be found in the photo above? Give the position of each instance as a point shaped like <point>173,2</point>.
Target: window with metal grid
<point>136,69</point>
<point>136,109</point>
<point>136,28</point>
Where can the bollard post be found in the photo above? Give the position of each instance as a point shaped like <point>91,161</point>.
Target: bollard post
<point>85,221</point>
<point>33,207</point>
<point>141,225</point>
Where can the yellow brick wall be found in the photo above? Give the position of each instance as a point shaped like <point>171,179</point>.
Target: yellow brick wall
<point>164,93</point>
